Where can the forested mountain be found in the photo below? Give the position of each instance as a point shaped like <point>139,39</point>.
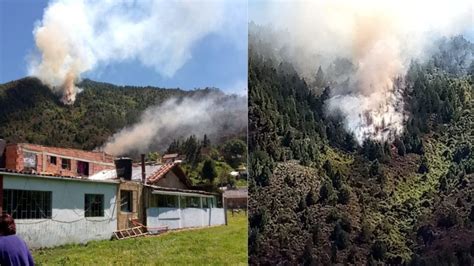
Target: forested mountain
<point>30,112</point>
<point>318,197</point>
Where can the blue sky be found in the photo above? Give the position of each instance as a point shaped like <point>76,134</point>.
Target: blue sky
<point>218,60</point>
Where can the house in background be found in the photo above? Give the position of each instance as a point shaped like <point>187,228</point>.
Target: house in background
<point>172,157</point>
<point>54,206</point>
<point>236,198</point>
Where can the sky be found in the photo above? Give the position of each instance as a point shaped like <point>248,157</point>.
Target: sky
<point>218,59</point>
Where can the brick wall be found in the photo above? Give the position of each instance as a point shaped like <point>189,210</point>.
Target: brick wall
<point>42,156</point>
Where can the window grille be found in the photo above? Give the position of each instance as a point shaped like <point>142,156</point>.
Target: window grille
<point>27,204</point>
<point>66,164</point>
<point>193,202</point>
<point>167,201</point>
<point>94,205</point>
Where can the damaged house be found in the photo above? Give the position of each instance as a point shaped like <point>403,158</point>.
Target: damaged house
<point>60,196</point>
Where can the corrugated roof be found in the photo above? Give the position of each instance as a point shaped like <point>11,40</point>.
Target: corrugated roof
<point>170,155</point>
<point>150,170</point>
<point>182,190</point>
<point>4,171</point>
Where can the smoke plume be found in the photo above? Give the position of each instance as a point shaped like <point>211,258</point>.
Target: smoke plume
<point>216,115</point>
<point>74,37</point>
<point>379,39</point>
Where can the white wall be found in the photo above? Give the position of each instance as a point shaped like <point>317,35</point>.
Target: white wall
<point>182,218</point>
<point>68,224</point>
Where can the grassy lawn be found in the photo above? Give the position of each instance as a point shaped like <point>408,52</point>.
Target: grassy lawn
<point>222,245</point>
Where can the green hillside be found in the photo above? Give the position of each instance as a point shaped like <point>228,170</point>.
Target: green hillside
<point>30,112</point>
<point>319,198</point>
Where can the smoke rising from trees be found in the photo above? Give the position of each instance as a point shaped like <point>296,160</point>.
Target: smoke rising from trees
<point>365,48</point>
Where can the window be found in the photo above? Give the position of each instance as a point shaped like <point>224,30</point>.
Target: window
<point>83,168</point>
<point>207,203</point>
<point>193,202</point>
<point>182,202</point>
<point>29,161</point>
<point>126,200</point>
<point>94,205</point>
<point>27,204</point>
<point>167,201</point>
<point>52,160</point>
<point>66,164</point>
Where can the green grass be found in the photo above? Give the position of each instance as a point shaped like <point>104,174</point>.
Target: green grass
<point>222,245</point>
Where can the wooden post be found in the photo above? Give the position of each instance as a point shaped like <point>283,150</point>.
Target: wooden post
<point>225,208</point>
<point>143,169</point>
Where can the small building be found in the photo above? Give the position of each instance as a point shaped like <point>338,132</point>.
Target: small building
<point>174,203</point>
<point>236,198</point>
<point>57,210</point>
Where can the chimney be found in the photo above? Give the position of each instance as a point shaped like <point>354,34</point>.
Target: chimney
<point>143,169</point>
<point>124,168</point>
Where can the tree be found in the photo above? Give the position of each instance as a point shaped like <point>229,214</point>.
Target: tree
<point>235,152</point>
<point>344,195</point>
<point>319,79</point>
<point>374,169</point>
<point>401,150</point>
<point>206,142</point>
<point>379,249</point>
<point>424,168</point>
<point>208,171</point>
<point>337,180</point>
<point>340,237</point>
<point>326,193</point>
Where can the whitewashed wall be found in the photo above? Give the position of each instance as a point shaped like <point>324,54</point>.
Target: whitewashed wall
<point>176,218</point>
<point>68,223</point>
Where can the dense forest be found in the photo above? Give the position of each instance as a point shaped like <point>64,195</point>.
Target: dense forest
<point>318,197</point>
<point>209,165</point>
<point>30,112</point>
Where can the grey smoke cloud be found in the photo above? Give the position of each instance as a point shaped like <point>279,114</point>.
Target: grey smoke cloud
<point>77,36</point>
<point>216,115</point>
<point>379,38</point>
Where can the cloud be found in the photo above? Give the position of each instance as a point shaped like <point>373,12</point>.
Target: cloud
<point>78,36</point>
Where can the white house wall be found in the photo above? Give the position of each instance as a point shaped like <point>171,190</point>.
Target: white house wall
<point>176,218</point>
<point>68,223</point>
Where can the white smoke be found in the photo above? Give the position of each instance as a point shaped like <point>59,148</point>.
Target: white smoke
<point>76,36</point>
<point>216,115</point>
<point>379,38</point>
